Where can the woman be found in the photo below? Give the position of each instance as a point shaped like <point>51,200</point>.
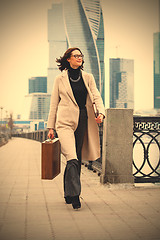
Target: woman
<point>72,116</point>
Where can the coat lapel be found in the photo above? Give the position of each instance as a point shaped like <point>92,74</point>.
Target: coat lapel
<point>66,83</point>
<point>86,82</point>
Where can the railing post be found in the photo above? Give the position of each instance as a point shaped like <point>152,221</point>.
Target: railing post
<point>43,136</point>
<point>117,152</point>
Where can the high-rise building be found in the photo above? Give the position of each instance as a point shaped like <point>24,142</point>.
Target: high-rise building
<point>57,40</point>
<point>38,84</point>
<point>121,83</point>
<point>36,106</point>
<point>37,102</point>
<point>156,42</point>
<point>77,23</point>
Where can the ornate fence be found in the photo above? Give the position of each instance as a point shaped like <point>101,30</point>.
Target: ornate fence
<point>40,135</point>
<point>146,149</point>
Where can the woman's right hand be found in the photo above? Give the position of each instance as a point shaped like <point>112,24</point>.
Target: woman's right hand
<point>51,133</point>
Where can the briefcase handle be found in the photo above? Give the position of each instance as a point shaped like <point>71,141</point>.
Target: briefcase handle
<point>49,140</point>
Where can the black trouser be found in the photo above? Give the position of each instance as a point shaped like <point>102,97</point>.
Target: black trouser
<point>72,184</point>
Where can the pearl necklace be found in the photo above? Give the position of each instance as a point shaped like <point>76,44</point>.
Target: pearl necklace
<point>75,80</point>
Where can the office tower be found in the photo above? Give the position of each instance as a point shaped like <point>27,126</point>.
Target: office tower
<point>121,83</point>
<point>77,23</point>
<point>57,40</point>
<point>36,106</point>
<point>37,102</point>
<point>38,84</point>
<point>156,43</point>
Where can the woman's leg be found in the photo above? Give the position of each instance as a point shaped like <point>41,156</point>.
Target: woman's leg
<point>79,134</point>
<point>72,184</point>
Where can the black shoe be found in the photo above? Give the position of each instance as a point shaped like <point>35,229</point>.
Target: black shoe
<point>76,202</point>
<point>90,165</point>
<point>68,199</point>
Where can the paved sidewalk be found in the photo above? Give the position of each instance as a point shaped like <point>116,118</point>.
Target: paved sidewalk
<point>34,209</point>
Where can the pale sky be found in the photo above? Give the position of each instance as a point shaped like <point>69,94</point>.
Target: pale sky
<point>129,26</point>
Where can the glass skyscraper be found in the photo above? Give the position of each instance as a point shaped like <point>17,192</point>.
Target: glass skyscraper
<point>121,83</point>
<point>156,42</point>
<point>36,106</point>
<point>38,84</point>
<point>37,102</point>
<point>77,23</point>
<point>57,40</point>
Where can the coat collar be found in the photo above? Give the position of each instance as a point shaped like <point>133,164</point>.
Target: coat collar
<point>66,83</point>
<point>85,77</point>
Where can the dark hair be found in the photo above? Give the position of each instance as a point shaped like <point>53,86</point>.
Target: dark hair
<point>63,63</point>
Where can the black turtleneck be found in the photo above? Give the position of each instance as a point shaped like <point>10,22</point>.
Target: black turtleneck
<point>78,88</point>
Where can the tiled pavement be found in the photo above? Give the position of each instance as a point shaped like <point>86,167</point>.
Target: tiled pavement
<point>34,209</point>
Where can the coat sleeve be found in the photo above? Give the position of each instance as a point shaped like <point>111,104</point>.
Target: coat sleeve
<point>53,105</point>
<point>96,95</point>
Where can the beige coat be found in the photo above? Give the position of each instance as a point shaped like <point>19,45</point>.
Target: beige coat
<point>64,116</point>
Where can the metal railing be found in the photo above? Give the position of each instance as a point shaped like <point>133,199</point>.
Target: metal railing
<point>146,148</point>
<point>40,135</point>
<point>4,137</point>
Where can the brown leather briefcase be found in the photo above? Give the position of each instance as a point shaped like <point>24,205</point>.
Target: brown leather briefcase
<point>50,159</point>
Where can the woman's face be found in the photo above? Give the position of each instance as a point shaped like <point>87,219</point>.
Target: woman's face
<point>75,59</point>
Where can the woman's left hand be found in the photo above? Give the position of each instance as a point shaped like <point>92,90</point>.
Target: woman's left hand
<point>99,119</point>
